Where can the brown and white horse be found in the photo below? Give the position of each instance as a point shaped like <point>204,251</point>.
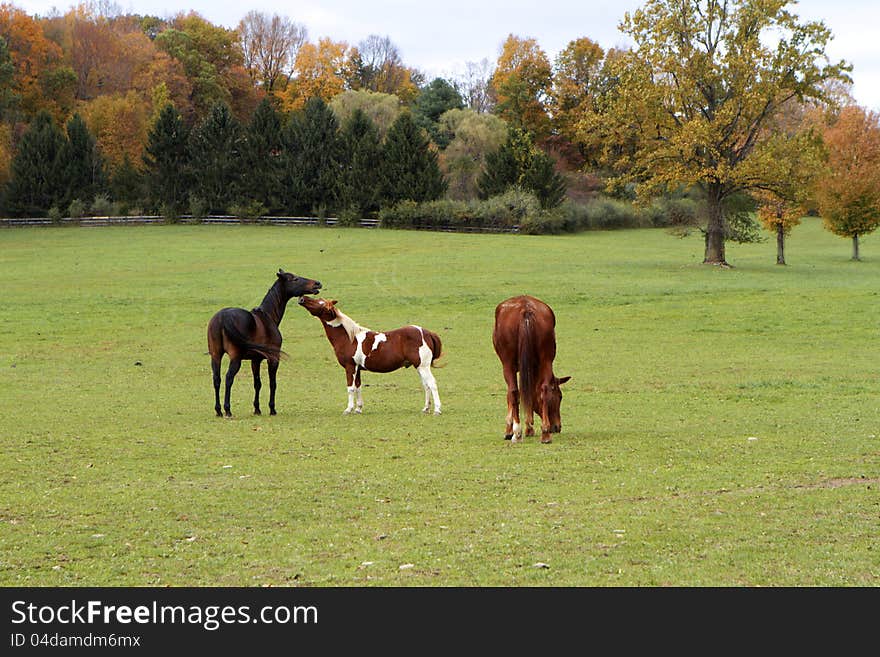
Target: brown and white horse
<point>524,338</point>
<point>358,348</point>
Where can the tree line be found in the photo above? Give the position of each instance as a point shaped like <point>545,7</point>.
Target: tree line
<point>734,105</point>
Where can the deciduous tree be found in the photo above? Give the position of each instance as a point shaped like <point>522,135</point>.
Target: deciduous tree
<point>698,89</point>
<point>849,191</point>
<point>270,45</point>
<point>381,109</point>
<point>320,71</point>
<point>474,135</point>
<point>521,83</point>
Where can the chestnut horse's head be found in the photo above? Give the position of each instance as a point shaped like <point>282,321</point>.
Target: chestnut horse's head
<point>297,286</point>
<point>550,399</point>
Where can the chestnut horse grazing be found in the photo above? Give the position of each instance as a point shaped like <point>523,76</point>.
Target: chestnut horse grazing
<point>254,336</point>
<point>358,348</point>
<point>525,341</point>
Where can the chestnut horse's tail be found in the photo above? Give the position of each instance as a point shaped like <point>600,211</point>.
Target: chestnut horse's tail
<point>528,363</point>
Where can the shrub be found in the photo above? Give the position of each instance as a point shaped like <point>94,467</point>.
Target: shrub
<point>102,206</point>
<point>198,206</point>
<point>248,211</point>
<point>76,209</point>
<point>55,214</point>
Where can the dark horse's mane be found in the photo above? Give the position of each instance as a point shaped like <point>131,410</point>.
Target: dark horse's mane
<point>528,362</point>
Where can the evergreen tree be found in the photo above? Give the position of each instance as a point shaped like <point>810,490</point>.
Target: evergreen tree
<point>215,159</point>
<point>542,178</point>
<point>433,100</point>
<point>361,158</point>
<point>261,153</point>
<point>35,183</point>
<point>166,160</point>
<point>81,167</point>
<point>519,163</point>
<point>312,159</point>
<point>409,166</point>
<point>127,183</point>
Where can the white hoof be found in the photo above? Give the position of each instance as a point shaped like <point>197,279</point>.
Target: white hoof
<point>358,410</point>
<point>347,411</point>
<point>437,411</point>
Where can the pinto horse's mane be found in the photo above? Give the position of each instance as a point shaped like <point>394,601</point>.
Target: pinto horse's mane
<point>352,328</point>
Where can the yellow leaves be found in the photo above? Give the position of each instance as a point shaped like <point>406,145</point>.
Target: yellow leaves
<point>521,81</point>
<point>320,70</point>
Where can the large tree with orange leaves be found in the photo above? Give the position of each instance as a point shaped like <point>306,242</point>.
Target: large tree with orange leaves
<point>849,192</point>
<point>521,83</point>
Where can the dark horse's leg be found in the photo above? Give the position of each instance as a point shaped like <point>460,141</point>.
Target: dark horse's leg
<point>273,370</point>
<point>215,369</point>
<point>255,368</point>
<point>234,366</point>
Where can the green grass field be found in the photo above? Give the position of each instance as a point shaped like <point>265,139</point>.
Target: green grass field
<point>721,426</point>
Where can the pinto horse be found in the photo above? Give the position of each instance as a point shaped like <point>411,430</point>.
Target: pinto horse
<point>358,348</point>
<point>524,338</point>
<point>254,336</point>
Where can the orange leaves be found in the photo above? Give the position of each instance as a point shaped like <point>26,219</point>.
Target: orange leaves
<point>849,193</point>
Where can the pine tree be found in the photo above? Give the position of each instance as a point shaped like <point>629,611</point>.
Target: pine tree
<point>361,158</point>
<point>215,159</point>
<point>81,167</point>
<point>312,160</point>
<point>519,163</point>
<point>34,186</point>
<point>544,181</point>
<point>261,152</point>
<point>126,183</point>
<point>166,160</point>
<point>409,166</point>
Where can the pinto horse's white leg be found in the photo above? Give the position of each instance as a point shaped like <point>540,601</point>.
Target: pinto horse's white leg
<point>359,408</point>
<point>428,381</point>
<point>350,407</point>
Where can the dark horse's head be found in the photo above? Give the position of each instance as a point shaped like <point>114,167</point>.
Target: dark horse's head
<point>296,286</point>
<point>550,400</point>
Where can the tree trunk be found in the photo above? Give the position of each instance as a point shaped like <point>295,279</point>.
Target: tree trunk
<point>856,248</point>
<point>780,244</point>
<point>715,228</point>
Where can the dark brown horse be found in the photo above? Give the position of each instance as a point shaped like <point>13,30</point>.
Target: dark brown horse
<point>253,336</point>
<point>358,348</point>
<point>525,341</point>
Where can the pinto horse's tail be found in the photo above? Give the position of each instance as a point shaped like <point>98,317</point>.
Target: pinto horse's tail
<point>435,345</point>
<point>528,363</point>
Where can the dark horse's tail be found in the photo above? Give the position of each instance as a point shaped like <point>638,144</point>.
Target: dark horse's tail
<point>528,363</point>
<point>227,326</point>
<point>435,345</point>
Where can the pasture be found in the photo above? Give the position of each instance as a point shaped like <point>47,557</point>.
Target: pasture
<point>720,427</point>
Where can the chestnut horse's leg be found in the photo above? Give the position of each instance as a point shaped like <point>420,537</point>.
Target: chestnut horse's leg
<point>255,368</point>
<point>215,369</point>
<point>513,430</point>
<point>273,372</point>
<point>234,366</point>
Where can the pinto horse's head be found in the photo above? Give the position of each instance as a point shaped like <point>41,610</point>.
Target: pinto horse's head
<point>324,309</point>
<point>297,286</point>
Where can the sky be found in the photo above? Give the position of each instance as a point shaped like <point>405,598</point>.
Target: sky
<point>439,38</point>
